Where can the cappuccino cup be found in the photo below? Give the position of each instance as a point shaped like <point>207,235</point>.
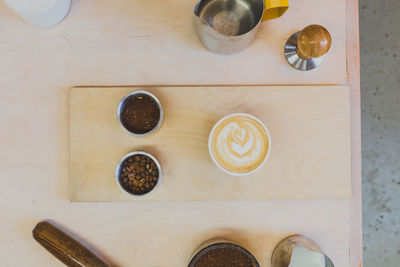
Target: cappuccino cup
<point>239,144</point>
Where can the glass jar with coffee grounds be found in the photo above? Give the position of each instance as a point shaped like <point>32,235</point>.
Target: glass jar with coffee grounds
<point>138,173</point>
<point>223,254</point>
<point>140,113</point>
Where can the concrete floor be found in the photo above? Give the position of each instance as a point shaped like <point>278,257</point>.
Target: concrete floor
<point>380,95</point>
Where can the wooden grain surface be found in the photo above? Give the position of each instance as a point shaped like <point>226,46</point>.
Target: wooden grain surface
<point>37,69</point>
<point>159,45</point>
<point>353,79</point>
<point>310,147</point>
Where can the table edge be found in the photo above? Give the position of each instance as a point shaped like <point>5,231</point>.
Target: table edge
<point>353,79</point>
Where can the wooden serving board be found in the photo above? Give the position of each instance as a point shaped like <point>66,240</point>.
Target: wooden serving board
<point>310,147</point>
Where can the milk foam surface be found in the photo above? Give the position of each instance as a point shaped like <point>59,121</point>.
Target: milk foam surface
<point>239,143</point>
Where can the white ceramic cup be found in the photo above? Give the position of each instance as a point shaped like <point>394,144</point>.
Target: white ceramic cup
<point>210,145</point>
<point>41,13</point>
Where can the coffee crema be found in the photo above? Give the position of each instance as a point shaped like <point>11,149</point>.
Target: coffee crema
<point>239,143</point>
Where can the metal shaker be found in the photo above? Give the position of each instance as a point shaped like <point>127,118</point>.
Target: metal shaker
<point>228,26</point>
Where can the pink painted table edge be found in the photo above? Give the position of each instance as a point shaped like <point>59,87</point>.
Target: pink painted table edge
<point>353,79</point>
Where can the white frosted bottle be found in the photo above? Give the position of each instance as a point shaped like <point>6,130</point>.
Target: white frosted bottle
<point>42,13</point>
<point>303,257</point>
<point>298,251</point>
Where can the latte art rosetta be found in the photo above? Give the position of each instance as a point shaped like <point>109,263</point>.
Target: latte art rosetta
<point>239,143</point>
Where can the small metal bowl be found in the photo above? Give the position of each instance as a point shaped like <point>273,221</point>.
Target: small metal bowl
<point>122,103</point>
<point>119,167</point>
<point>216,244</point>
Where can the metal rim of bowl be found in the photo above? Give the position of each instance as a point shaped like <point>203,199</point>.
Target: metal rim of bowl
<point>223,244</point>
<point>118,171</point>
<point>121,105</point>
<point>218,164</point>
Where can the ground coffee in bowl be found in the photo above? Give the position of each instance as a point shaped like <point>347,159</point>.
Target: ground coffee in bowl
<point>223,254</point>
<point>140,113</point>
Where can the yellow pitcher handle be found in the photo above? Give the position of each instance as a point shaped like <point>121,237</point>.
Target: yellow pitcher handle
<point>274,8</point>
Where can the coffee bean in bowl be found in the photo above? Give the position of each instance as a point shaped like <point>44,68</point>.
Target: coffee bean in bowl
<point>140,113</point>
<point>138,173</point>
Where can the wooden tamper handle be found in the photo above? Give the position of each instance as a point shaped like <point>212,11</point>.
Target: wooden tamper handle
<point>64,247</point>
<point>314,41</point>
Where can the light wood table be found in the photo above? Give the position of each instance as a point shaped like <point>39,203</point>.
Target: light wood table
<point>38,66</point>
<point>353,79</point>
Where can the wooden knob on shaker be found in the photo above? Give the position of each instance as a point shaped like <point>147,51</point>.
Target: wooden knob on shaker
<point>64,247</point>
<point>314,41</point>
